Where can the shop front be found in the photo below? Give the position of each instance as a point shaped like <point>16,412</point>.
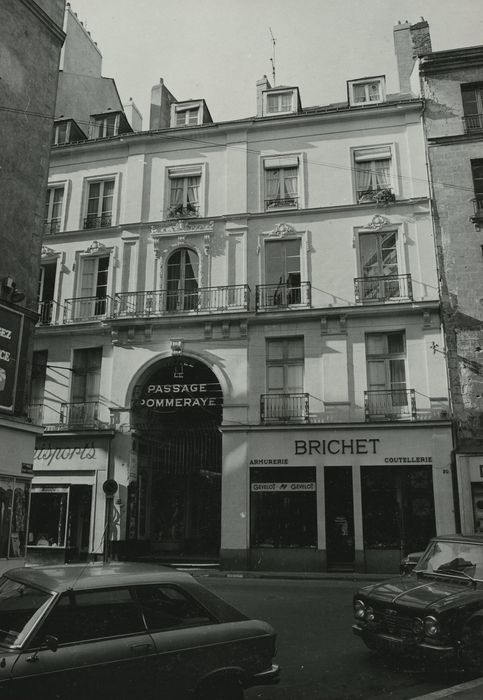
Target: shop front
<point>67,504</point>
<point>337,498</point>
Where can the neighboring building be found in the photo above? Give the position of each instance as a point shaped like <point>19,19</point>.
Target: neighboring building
<point>239,329</point>
<point>452,86</point>
<point>27,94</point>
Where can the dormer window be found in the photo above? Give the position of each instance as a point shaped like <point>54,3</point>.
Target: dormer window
<point>279,101</point>
<point>367,91</point>
<point>109,124</point>
<point>188,113</point>
<point>187,117</point>
<point>66,131</point>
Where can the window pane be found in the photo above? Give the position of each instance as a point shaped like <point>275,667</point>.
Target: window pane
<point>294,379</point>
<point>47,519</point>
<point>395,342</point>
<point>375,344</point>
<point>275,377</point>
<point>275,349</point>
<point>18,604</point>
<point>295,348</point>
<point>359,93</point>
<point>166,607</point>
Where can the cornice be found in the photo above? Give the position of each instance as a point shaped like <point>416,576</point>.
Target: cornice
<point>45,19</point>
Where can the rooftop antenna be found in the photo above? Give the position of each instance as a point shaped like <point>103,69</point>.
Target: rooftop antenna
<point>272,60</point>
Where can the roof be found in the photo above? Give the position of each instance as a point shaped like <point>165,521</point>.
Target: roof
<point>58,579</point>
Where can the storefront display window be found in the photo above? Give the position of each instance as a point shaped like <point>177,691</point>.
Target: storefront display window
<point>283,507</point>
<point>48,517</point>
<point>14,504</point>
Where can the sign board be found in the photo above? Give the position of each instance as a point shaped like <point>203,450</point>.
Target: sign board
<point>289,486</point>
<point>26,468</point>
<point>11,328</point>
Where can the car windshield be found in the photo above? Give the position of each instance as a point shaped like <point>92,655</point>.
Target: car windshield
<point>19,605</point>
<point>464,559</point>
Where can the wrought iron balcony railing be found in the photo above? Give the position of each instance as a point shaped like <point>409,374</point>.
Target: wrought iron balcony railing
<point>281,203</point>
<point>47,311</point>
<point>383,288</point>
<point>383,195</point>
<point>103,221</point>
<point>163,302</point>
<point>79,416</point>
<point>284,408</point>
<point>478,207</point>
<point>473,122</point>
<point>390,404</point>
<point>183,211</point>
<point>86,309</point>
<point>272,297</point>
<point>52,226</point>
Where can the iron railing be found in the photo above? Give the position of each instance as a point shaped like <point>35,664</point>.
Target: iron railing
<point>86,309</point>
<point>47,311</point>
<point>390,404</point>
<point>383,195</point>
<point>383,288</point>
<point>478,206</point>
<point>183,211</point>
<point>283,408</point>
<point>79,416</point>
<point>103,221</point>
<point>162,302</point>
<point>281,203</point>
<point>271,297</point>
<point>51,226</point>
<point>473,122</point>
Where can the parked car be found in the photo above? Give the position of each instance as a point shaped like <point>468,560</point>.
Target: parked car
<point>435,611</point>
<point>409,562</point>
<point>125,630</point>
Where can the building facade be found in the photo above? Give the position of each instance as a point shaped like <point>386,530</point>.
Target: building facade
<point>452,86</point>
<point>25,132</point>
<point>238,344</point>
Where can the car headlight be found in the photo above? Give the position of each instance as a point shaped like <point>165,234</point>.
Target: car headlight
<point>359,609</point>
<point>431,626</point>
<point>418,626</point>
<point>369,614</point>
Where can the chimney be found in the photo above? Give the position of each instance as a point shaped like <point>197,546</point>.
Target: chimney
<point>410,41</point>
<point>160,111</point>
<point>133,115</point>
<point>262,84</point>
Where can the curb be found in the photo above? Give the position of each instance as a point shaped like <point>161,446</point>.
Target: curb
<point>471,690</point>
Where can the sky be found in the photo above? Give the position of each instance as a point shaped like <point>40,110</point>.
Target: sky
<point>218,49</point>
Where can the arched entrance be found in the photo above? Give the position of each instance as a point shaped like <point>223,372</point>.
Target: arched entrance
<point>176,414</point>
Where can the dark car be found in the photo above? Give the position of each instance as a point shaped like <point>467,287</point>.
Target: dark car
<point>125,631</point>
<point>437,610</point>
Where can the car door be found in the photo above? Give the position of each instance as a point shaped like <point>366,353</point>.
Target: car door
<point>103,650</point>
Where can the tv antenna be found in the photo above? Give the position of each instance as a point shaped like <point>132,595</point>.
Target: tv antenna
<point>272,60</point>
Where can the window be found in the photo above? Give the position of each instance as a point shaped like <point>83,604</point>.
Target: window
<point>84,393</point>
<point>61,133</point>
<point>48,516</point>
<point>182,278</point>
<point>167,607</point>
<point>97,614</point>
<point>372,167</point>
<point>281,183</point>
<point>53,210</point>
<point>184,193</point>
<point>19,604</point>
<point>92,299</point>
<point>281,516</point>
<point>37,387</point>
<point>366,91</point>
<point>477,174</point>
<point>381,280</point>
<point>107,125</point>
<point>187,117</point>
<point>282,273</point>
<point>285,380</point>
<point>281,102</point>
<point>472,96</point>
<point>46,293</point>
<point>100,199</point>
<point>387,394</point>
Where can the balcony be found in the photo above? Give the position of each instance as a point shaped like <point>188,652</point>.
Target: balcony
<point>478,207</point>
<point>180,211</point>
<point>163,302</point>
<point>273,297</point>
<point>384,288</point>
<point>382,196</point>
<point>274,203</point>
<point>86,309</point>
<point>47,311</point>
<point>284,408</point>
<point>390,404</point>
<point>473,123</point>
<point>51,227</point>
<point>103,221</point>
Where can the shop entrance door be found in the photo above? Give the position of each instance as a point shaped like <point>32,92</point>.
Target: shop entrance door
<point>339,518</point>
<point>79,521</point>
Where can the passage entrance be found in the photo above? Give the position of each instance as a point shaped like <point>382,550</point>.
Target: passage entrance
<point>176,415</point>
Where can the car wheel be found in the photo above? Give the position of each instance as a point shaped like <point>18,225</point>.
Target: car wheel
<point>472,648</point>
<point>227,689</point>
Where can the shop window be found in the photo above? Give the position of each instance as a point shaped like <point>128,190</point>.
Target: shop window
<point>14,505</point>
<point>88,615</point>
<point>283,507</point>
<point>48,517</point>
<point>166,607</point>
<point>182,280</point>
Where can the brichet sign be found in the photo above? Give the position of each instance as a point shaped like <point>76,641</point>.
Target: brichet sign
<point>11,326</point>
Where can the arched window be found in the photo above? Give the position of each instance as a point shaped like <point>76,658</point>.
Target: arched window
<point>182,275</point>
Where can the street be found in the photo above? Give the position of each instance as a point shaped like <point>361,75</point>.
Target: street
<point>317,651</point>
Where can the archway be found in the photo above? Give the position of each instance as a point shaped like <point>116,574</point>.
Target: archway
<point>176,414</point>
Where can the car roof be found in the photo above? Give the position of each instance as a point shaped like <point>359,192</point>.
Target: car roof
<point>77,577</point>
<point>475,538</point>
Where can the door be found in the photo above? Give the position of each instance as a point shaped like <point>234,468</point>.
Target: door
<point>379,266</point>
<point>182,274</point>
<point>339,518</point>
<point>93,288</point>
<point>282,273</point>
<point>387,395</point>
<point>103,644</point>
